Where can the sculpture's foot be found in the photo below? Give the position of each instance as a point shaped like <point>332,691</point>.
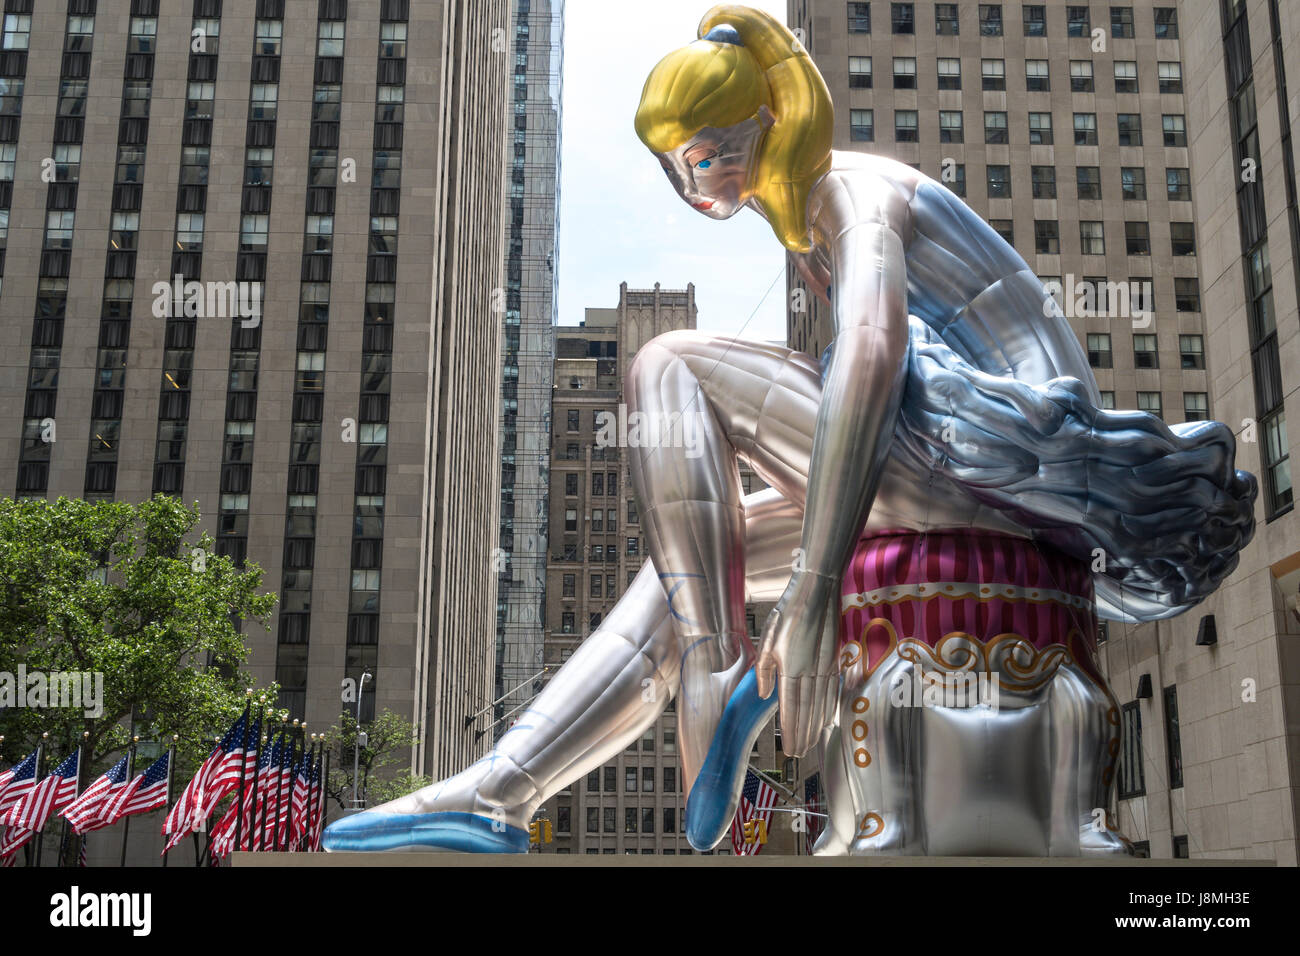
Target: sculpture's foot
<point>449,815</point>
<point>711,804</point>
<point>1103,842</point>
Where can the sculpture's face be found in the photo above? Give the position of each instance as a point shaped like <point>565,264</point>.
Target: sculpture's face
<point>711,170</point>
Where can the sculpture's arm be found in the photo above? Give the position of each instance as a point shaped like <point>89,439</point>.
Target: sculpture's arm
<point>864,225</point>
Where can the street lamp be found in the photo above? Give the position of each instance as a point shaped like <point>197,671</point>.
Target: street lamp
<point>356,750</point>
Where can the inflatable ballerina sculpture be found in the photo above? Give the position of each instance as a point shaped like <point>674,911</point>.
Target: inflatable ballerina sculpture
<point>958,509</point>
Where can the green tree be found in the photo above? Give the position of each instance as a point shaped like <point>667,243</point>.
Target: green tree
<point>384,768</point>
<point>122,590</point>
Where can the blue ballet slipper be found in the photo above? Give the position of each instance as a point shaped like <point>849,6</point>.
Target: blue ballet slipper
<point>710,806</point>
<point>442,830</point>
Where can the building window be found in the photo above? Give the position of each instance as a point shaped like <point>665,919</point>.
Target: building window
<point>1166,23</point>
<point>993,74</point>
<point>862,126</point>
<point>945,20</point>
<point>1191,351</point>
<point>1081,76</point>
<point>1126,76</point>
<point>995,127</point>
<point>1047,237</point>
<point>1196,406</point>
<point>1187,295</point>
<point>570,586</point>
<point>1099,354</point>
<point>860,73</point>
<point>1121,22</point>
<point>950,126</point>
<point>1004,228</point>
<point>1078,22</point>
<point>1088,179</point>
<point>1180,848</point>
<point>1178,184</point>
<point>1175,129</point>
<point>957,181</point>
<point>562,819</point>
<point>571,484</point>
<point>1146,353</point>
<point>1085,129</point>
<point>1137,238</point>
<point>1035,19</point>
<point>990,19</point>
<point>1182,238</point>
<point>18,32</point>
<point>1107,402</point>
<point>904,73</point>
<point>593,782</point>
<point>570,519</point>
<point>632,546</point>
<point>647,823</point>
<point>902,18</point>
<point>859,17</point>
<point>670,736</point>
<point>1092,238</point>
<point>670,820</point>
<point>1171,77</point>
<point>608,821</point>
<point>905,126</point>
<point>630,776</point>
<point>1133,182</point>
<point>648,776</point>
<point>1130,129</point>
<point>593,821</point>
<point>949,73</point>
<point>1150,402</point>
<point>999,182</point>
<point>609,778</point>
<point>329,38</point>
<point>566,622</point>
<point>1130,759</point>
<point>1037,76</point>
<point>670,779</point>
<point>1040,129</point>
<point>1277,461</point>
<point>629,821</point>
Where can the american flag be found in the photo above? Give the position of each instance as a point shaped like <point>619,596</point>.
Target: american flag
<point>201,794</point>
<point>223,834</point>
<point>316,824</point>
<point>86,812</point>
<point>148,791</point>
<point>284,795</point>
<point>812,801</point>
<point>81,853</point>
<point>28,816</point>
<point>270,799</point>
<point>301,794</point>
<point>19,782</point>
<point>756,802</point>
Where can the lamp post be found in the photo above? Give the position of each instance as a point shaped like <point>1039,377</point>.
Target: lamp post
<point>356,750</point>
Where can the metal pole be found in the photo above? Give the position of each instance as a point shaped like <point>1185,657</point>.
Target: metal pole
<point>40,758</point>
<point>243,764</point>
<point>469,720</point>
<point>356,748</point>
<point>171,769</point>
<point>279,796</point>
<point>324,804</point>
<point>480,733</point>
<point>130,771</point>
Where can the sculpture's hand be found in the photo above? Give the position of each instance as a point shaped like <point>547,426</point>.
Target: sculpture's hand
<point>797,658</point>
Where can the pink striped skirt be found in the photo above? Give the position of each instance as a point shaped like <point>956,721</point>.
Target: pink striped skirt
<point>986,586</point>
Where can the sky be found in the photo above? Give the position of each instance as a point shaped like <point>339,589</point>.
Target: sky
<point>620,219</point>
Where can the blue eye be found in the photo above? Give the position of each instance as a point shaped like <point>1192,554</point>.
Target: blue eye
<point>704,164</point>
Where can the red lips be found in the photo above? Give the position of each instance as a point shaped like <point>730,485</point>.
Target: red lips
<point>703,205</point>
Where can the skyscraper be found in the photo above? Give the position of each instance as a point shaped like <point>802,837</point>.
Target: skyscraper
<point>1097,139</point>
<point>275,299</point>
<point>528,350</point>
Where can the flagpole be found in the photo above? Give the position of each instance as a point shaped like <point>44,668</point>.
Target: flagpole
<point>279,789</point>
<point>40,758</point>
<point>171,769</point>
<point>130,772</point>
<point>324,782</point>
<point>243,764</point>
<point>81,766</point>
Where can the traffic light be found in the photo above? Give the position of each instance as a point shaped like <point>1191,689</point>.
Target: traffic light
<point>755,832</point>
<point>539,831</point>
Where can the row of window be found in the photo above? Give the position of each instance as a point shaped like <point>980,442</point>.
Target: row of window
<point>1033,18</point>
<point>1146,352</point>
<point>602,484</point>
<point>1040,132</point>
<point>993,75</point>
<point>635,820</point>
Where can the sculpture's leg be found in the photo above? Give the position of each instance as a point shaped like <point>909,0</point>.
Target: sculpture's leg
<point>605,696</point>
<point>695,404</point>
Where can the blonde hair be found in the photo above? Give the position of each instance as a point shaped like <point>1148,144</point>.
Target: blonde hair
<point>719,84</point>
